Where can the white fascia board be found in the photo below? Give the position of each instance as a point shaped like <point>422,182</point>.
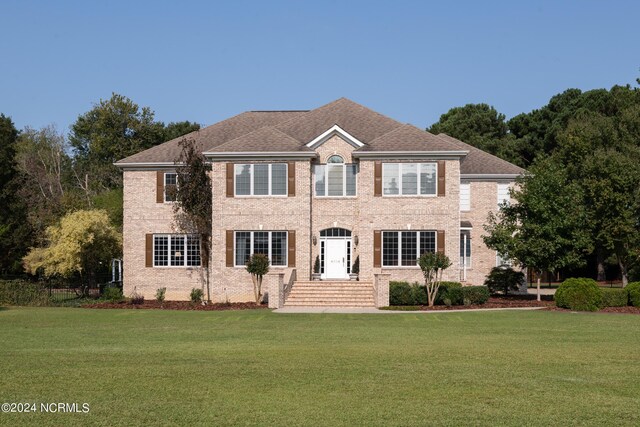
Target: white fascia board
<point>452,155</point>
<point>259,155</point>
<point>335,130</point>
<point>490,176</point>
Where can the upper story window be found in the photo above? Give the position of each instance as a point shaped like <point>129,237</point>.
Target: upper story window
<point>465,196</point>
<point>503,194</point>
<point>176,250</point>
<point>261,179</point>
<point>409,179</point>
<point>170,186</point>
<point>336,178</point>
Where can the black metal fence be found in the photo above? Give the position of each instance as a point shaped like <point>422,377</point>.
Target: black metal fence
<point>27,290</point>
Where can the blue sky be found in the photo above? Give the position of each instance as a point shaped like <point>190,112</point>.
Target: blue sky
<point>206,61</point>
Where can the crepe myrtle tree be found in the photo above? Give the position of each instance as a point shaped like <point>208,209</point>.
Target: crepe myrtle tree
<point>433,265</point>
<point>192,210</point>
<point>258,266</point>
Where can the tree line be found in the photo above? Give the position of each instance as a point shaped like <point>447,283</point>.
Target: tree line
<point>578,207</point>
<point>46,175</point>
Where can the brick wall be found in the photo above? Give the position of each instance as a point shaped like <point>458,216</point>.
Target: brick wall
<point>306,215</point>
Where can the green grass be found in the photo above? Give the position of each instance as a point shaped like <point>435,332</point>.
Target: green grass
<point>260,368</point>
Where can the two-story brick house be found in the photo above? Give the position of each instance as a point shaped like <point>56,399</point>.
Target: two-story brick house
<point>339,184</point>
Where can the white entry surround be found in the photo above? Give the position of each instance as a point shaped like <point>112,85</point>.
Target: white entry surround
<point>336,255</point>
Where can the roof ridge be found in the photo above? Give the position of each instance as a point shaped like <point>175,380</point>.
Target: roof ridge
<point>277,111</point>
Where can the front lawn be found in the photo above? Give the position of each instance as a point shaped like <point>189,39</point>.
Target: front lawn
<point>256,367</point>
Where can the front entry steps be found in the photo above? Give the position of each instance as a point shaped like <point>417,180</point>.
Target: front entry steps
<point>331,294</point>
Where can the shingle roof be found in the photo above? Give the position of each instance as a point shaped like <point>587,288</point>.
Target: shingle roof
<point>409,138</point>
<point>266,139</point>
<point>359,121</point>
<point>290,131</point>
<point>479,162</point>
<point>214,135</point>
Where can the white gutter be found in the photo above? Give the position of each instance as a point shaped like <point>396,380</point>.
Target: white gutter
<point>409,154</point>
<point>490,176</point>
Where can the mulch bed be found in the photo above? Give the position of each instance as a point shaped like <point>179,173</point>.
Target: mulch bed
<point>611,310</point>
<point>177,305</point>
<point>515,301</point>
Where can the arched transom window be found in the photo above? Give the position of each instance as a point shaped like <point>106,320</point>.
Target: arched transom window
<point>335,159</point>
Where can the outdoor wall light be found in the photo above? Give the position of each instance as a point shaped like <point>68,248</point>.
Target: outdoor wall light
<point>315,240</point>
<point>355,240</point>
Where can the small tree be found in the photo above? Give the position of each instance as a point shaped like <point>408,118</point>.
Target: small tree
<point>192,211</point>
<point>433,265</point>
<point>80,243</point>
<point>545,229</point>
<point>258,266</point>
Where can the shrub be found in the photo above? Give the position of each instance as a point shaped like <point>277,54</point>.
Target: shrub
<point>196,295</point>
<point>579,294</point>
<point>400,293</point>
<point>633,290</point>
<point>23,292</point>
<point>504,279</point>
<point>160,294</point>
<point>472,295</point>
<point>614,297</point>
<point>420,296</point>
<point>449,293</point>
<point>112,293</point>
<point>136,298</point>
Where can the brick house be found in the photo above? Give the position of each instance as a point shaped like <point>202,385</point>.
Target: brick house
<point>341,184</point>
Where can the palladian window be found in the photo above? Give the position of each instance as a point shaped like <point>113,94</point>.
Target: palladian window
<point>336,178</point>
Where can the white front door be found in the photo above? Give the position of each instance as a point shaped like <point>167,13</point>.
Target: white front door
<point>335,259</point>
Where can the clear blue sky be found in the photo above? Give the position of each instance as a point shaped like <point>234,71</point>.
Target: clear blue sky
<point>206,61</point>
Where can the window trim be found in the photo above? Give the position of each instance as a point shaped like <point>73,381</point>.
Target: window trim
<point>418,252</point>
<point>344,180</point>
<point>251,180</point>
<point>251,246</point>
<point>418,172</point>
<point>169,236</point>
<point>164,186</point>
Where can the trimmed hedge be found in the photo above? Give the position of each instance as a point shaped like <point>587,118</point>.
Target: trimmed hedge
<point>614,297</point>
<point>579,294</point>
<point>633,291</point>
<point>400,293</point>
<point>449,293</point>
<point>475,295</point>
<point>23,292</point>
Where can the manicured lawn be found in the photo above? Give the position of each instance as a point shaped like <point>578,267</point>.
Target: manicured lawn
<point>260,368</point>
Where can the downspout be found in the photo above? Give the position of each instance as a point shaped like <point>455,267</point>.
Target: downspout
<point>311,257</point>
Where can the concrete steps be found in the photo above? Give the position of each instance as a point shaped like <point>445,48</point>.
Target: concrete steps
<point>331,294</point>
